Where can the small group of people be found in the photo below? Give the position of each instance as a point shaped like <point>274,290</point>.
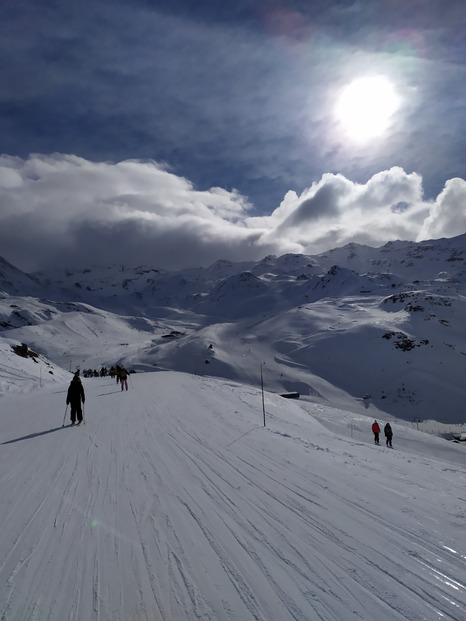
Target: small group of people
<point>387,432</point>
<point>95,373</point>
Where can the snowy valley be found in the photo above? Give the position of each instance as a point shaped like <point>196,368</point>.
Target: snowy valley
<point>356,321</point>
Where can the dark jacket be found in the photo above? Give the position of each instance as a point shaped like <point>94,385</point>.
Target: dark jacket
<point>75,392</point>
<point>388,430</point>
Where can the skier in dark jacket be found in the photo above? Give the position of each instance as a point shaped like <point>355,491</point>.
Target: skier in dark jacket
<point>388,434</point>
<point>74,397</point>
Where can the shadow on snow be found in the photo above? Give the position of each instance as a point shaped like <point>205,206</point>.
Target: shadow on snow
<point>35,435</point>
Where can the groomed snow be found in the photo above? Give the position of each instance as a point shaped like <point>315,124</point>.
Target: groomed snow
<point>174,503</point>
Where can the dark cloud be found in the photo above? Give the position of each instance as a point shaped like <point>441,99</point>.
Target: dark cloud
<point>323,204</point>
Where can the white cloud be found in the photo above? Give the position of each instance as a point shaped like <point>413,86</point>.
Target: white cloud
<point>65,210</point>
<point>335,211</point>
<point>448,214</point>
<point>9,178</point>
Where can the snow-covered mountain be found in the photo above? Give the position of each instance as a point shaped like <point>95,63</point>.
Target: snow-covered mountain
<point>337,327</point>
<point>14,280</point>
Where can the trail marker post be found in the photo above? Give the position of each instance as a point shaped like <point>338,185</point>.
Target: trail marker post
<point>262,389</point>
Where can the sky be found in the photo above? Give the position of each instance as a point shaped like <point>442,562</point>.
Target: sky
<point>175,133</point>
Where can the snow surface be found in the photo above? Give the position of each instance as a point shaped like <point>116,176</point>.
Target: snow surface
<point>173,502</point>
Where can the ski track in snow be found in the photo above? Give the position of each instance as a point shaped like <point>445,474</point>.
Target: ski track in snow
<point>173,503</point>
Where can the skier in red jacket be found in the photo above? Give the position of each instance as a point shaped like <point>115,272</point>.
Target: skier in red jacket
<point>376,431</point>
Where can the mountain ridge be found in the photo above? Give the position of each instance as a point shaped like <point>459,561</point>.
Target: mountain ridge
<point>349,322</point>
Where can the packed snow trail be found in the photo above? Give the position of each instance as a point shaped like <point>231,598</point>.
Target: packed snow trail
<point>173,503</point>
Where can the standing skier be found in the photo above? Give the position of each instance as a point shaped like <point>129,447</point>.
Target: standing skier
<point>388,434</point>
<point>376,431</point>
<point>123,378</point>
<point>74,397</point>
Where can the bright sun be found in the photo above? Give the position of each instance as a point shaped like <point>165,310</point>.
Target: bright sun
<point>365,107</point>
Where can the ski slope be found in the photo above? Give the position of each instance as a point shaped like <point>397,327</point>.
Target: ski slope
<point>174,503</point>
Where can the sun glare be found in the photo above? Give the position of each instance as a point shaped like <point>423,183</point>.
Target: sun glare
<point>366,106</point>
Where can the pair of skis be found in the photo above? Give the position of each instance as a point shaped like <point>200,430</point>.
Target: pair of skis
<point>83,421</point>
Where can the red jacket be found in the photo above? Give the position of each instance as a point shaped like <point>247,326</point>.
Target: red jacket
<point>375,427</point>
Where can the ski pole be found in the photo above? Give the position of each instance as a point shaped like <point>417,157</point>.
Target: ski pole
<point>84,418</point>
<point>63,424</point>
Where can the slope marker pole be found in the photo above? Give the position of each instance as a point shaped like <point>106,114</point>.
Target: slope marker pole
<point>262,388</point>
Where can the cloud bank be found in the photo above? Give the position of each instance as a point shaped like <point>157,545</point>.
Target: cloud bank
<point>63,210</point>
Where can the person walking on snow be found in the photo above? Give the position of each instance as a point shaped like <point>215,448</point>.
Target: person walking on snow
<point>376,431</point>
<point>74,397</point>
<point>388,434</point>
<point>123,378</point>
